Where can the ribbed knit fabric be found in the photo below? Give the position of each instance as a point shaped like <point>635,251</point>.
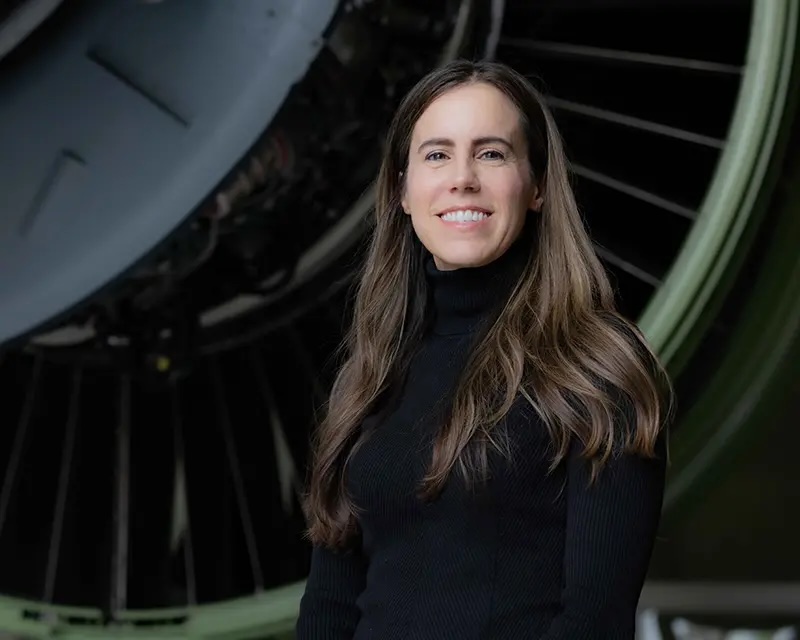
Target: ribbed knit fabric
<point>529,555</point>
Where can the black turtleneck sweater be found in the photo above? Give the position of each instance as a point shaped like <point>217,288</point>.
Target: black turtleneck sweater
<point>528,555</point>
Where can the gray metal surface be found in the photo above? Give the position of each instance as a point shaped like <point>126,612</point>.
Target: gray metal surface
<point>113,131</point>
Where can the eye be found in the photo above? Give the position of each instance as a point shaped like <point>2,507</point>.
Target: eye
<point>491,154</point>
<point>436,155</point>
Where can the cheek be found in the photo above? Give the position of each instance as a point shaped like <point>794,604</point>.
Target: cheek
<point>517,192</point>
<point>420,189</point>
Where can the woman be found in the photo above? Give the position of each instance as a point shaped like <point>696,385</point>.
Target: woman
<point>492,460</point>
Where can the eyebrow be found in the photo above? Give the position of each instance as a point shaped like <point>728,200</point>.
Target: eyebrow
<point>447,142</point>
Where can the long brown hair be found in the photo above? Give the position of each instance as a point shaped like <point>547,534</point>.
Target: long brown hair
<point>558,341</point>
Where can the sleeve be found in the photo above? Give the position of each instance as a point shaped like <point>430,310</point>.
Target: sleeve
<point>611,529</point>
<point>328,607</point>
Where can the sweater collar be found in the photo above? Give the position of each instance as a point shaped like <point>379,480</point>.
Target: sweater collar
<point>463,298</point>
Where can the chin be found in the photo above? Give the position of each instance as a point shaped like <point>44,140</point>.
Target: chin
<point>450,260</point>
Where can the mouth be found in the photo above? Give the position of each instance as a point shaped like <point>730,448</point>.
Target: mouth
<point>466,215</point>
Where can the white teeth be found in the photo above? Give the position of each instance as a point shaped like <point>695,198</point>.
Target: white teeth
<point>464,215</point>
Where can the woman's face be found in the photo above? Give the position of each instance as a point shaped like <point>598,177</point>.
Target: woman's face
<point>468,186</point>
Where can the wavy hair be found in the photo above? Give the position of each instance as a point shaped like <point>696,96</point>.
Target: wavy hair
<point>558,341</point>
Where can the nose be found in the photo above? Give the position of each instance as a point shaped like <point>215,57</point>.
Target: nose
<point>465,178</point>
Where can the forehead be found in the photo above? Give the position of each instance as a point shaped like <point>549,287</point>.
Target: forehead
<point>470,111</point>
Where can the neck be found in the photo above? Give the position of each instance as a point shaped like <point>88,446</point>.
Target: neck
<point>464,298</point>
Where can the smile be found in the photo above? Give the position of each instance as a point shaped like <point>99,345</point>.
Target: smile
<point>465,215</point>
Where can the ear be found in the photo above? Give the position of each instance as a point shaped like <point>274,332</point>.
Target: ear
<point>403,201</point>
<point>536,200</point>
